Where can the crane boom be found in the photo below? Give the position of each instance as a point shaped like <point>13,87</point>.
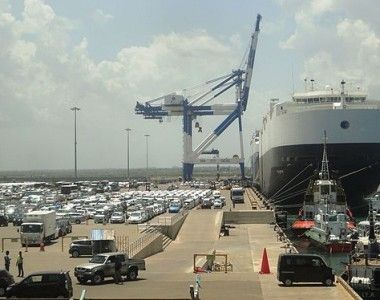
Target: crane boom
<point>251,60</point>
<point>176,105</point>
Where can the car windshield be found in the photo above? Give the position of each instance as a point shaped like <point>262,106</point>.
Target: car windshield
<point>135,214</point>
<point>31,228</point>
<point>98,259</point>
<point>117,214</point>
<point>237,193</point>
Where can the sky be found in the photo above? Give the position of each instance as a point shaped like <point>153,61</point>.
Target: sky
<point>103,56</point>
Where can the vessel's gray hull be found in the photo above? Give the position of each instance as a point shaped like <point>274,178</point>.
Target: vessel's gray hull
<point>280,166</point>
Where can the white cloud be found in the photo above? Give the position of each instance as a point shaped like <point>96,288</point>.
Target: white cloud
<point>36,15</point>
<point>337,40</point>
<point>42,76</point>
<point>322,6</point>
<point>23,51</point>
<point>100,17</point>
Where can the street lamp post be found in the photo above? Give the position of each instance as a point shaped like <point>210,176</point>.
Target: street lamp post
<point>147,153</point>
<point>128,130</point>
<point>75,109</point>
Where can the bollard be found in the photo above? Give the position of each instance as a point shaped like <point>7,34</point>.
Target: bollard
<point>42,247</point>
<point>83,295</point>
<point>192,292</point>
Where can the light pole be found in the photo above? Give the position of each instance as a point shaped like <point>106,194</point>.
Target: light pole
<point>75,109</point>
<point>147,153</point>
<point>128,130</point>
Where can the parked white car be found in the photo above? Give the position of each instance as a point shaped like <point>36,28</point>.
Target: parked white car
<point>117,217</point>
<point>76,218</point>
<point>218,203</point>
<point>137,217</point>
<point>100,218</point>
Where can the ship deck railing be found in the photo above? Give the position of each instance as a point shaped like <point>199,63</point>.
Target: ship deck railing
<point>300,107</point>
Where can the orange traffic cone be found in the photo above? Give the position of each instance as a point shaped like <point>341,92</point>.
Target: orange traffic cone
<point>265,263</point>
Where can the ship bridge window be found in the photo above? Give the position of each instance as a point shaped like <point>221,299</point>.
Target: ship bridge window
<point>325,189</point>
<point>333,218</point>
<point>331,99</point>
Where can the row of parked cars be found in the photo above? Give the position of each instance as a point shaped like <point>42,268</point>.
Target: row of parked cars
<point>99,207</point>
<point>132,207</point>
<point>215,200</point>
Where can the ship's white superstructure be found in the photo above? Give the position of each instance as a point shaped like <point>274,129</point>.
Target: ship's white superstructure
<point>291,138</point>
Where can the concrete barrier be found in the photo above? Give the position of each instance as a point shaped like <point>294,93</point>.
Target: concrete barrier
<point>151,248</point>
<point>152,241</point>
<point>172,230</point>
<point>248,217</point>
<point>348,288</point>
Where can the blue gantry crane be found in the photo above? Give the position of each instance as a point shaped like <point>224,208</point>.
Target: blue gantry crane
<point>192,106</point>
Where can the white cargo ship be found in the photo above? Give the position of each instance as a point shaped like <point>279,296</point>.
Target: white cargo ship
<point>288,147</point>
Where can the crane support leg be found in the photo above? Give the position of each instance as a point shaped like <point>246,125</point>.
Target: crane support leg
<point>188,164</point>
<point>241,163</point>
<point>187,171</point>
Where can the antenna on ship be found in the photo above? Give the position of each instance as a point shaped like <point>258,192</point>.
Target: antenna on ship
<point>305,80</point>
<point>325,174</point>
<point>312,84</point>
<point>342,96</point>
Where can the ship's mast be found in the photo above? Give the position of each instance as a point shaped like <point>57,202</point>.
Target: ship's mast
<point>325,174</point>
<point>342,95</point>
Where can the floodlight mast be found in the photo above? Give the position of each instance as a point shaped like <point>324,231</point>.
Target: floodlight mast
<point>177,105</point>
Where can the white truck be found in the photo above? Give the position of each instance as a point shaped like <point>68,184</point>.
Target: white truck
<point>237,195</point>
<point>37,227</point>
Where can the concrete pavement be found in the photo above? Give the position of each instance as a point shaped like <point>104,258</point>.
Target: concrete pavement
<point>170,273</point>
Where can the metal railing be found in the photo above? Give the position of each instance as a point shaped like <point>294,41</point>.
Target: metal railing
<point>169,220</point>
<point>137,245</point>
<point>152,229</point>
<point>122,243</point>
<point>299,107</point>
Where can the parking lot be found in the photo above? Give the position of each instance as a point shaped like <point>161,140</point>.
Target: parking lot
<point>170,273</point>
<point>86,212</point>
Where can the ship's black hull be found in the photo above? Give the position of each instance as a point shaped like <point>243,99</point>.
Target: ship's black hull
<point>284,171</point>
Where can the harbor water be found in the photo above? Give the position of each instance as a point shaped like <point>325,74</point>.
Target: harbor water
<point>337,261</point>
